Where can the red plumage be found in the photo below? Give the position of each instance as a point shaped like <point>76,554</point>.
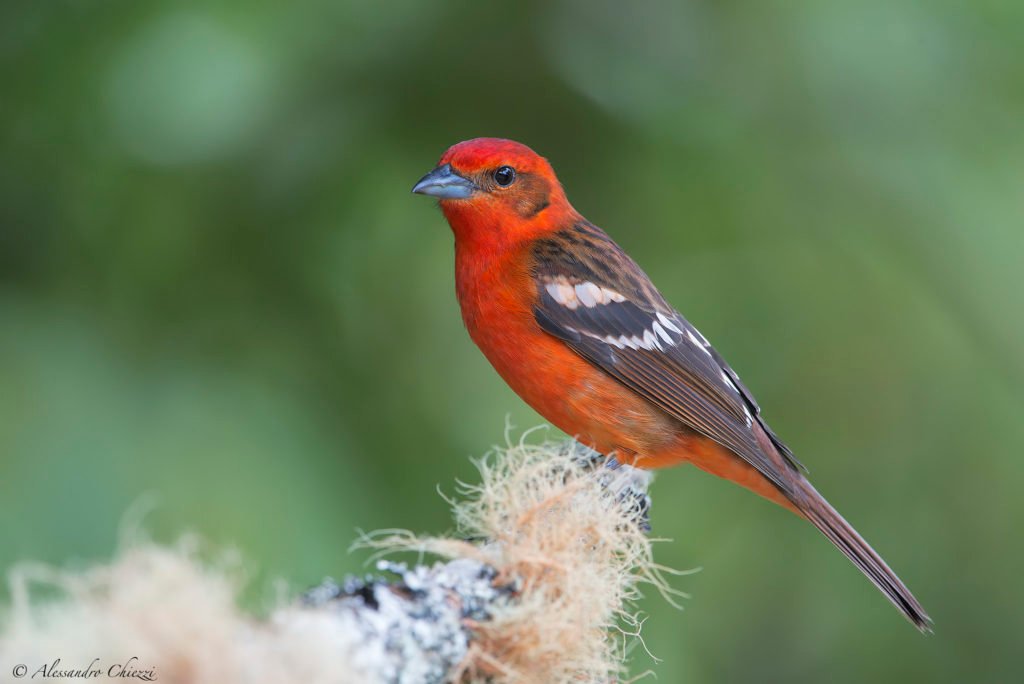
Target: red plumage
<point>577,330</point>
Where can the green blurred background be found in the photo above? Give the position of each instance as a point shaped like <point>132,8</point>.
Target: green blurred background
<point>216,288</point>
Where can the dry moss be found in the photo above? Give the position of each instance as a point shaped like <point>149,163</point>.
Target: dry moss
<point>568,536</point>
<point>543,593</point>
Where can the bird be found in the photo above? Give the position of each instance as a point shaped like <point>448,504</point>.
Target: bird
<point>582,335</point>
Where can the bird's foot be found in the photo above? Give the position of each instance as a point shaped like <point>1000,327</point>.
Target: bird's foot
<point>627,482</point>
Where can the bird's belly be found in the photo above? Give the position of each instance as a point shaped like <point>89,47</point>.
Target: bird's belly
<point>578,398</point>
<point>597,410</point>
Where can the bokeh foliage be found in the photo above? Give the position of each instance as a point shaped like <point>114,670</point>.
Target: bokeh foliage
<point>215,287</point>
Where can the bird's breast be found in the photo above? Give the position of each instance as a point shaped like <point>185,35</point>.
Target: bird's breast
<point>497,298</point>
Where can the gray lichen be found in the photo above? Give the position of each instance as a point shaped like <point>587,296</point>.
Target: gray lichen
<point>544,568</point>
<point>414,628</point>
<point>418,626</point>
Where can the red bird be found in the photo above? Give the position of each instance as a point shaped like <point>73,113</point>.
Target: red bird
<point>582,335</point>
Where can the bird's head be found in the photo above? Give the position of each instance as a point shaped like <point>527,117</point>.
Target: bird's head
<point>493,189</point>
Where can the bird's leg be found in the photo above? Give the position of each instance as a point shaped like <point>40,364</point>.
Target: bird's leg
<point>629,484</point>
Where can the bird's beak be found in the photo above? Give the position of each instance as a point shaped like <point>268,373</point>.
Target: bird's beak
<point>444,183</point>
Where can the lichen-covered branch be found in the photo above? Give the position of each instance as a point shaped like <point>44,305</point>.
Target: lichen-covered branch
<point>535,586</point>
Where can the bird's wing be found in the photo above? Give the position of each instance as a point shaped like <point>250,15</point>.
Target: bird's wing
<point>598,301</point>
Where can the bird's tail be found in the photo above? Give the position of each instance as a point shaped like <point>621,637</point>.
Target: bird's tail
<point>816,509</point>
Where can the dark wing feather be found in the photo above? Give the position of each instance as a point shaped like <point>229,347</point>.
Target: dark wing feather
<point>597,300</point>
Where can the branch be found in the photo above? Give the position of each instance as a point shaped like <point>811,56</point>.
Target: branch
<point>537,585</point>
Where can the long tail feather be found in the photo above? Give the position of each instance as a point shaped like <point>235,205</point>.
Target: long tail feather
<point>816,509</point>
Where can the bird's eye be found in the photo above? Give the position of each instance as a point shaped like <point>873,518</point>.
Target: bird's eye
<point>504,176</point>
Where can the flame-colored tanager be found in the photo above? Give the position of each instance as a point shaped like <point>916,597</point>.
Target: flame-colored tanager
<point>578,331</point>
